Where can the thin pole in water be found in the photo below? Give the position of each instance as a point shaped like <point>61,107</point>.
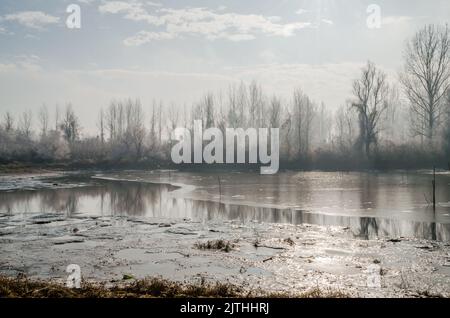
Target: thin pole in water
<point>434,188</point>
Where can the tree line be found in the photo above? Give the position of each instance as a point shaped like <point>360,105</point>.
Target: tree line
<point>386,122</point>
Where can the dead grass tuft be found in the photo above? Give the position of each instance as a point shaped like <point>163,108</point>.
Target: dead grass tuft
<point>220,245</point>
<point>312,293</point>
<point>148,287</point>
<point>22,287</point>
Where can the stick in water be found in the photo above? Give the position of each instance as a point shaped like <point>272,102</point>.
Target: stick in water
<point>434,188</point>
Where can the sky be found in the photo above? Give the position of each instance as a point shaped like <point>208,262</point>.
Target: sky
<point>176,51</point>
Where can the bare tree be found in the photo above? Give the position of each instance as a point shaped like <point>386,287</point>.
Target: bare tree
<point>43,119</point>
<point>8,122</point>
<point>185,117</point>
<point>220,114</point>
<point>345,128</point>
<point>303,113</point>
<point>101,125</point>
<point>370,101</point>
<point>286,128</point>
<point>57,126</point>
<point>120,119</point>
<point>172,120</point>
<point>25,123</point>
<point>324,124</point>
<point>394,121</point>
<point>152,132</point>
<point>233,109</point>
<point>256,105</point>
<point>111,119</point>
<point>70,125</point>
<point>204,111</point>
<point>446,131</point>
<point>134,130</point>
<point>209,110</point>
<point>298,119</point>
<point>309,114</point>
<point>242,105</point>
<point>160,119</point>
<point>426,77</point>
<point>275,112</point>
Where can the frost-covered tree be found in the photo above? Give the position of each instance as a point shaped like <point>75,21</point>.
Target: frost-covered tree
<point>70,125</point>
<point>370,93</point>
<point>426,78</point>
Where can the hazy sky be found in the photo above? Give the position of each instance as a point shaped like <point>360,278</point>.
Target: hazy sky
<point>177,50</point>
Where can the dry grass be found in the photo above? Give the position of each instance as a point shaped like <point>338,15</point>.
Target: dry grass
<point>221,245</point>
<point>312,293</point>
<point>22,287</point>
<point>149,287</point>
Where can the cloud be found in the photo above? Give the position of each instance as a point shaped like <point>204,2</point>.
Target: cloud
<point>117,6</point>
<point>154,4</point>
<point>32,19</point>
<point>237,37</point>
<point>7,67</point>
<point>301,11</point>
<point>210,24</point>
<point>133,10</point>
<point>27,64</point>
<point>32,36</point>
<point>24,62</point>
<point>395,19</point>
<point>143,37</point>
<point>88,2</point>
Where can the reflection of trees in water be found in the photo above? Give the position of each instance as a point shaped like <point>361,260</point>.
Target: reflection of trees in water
<point>368,227</point>
<point>116,198</point>
<point>220,211</point>
<point>367,200</point>
<point>60,200</point>
<point>131,198</point>
<point>433,230</point>
<point>443,231</point>
<point>429,230</point>
<point>139,199</point>
<point>6,204</point>
<point>363,227</point>
<point>405,228</point>
<point>127,199</point>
